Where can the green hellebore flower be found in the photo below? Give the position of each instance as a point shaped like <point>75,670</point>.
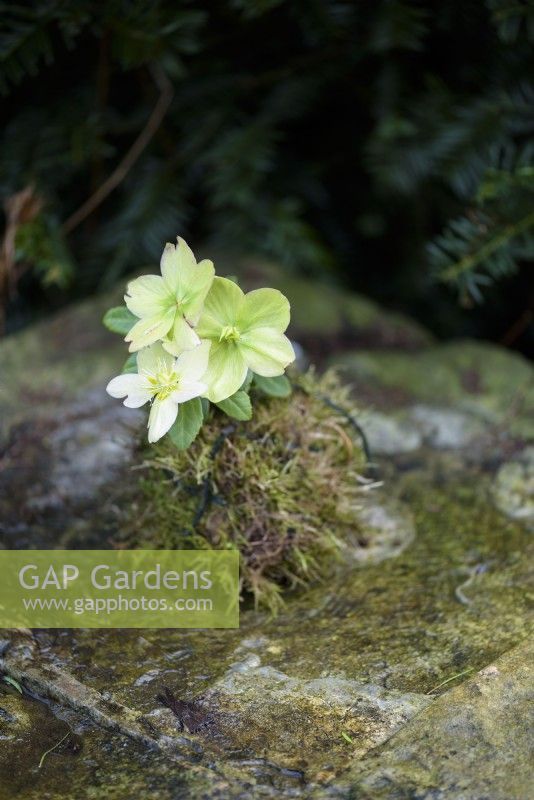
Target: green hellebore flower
<point>246,332</point>
<point>169,304</point>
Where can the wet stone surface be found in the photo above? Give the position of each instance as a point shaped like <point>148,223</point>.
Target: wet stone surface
<point>434,757</point>
<point>401,674</point>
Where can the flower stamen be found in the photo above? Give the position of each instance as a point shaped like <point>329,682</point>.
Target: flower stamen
<point>229,334</point>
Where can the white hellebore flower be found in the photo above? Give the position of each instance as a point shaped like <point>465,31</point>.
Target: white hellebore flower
<point>169,305</point>
<point>166,381</point>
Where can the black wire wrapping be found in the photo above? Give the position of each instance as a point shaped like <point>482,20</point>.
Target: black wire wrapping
<point>206,497</point>
<point>355,424</point>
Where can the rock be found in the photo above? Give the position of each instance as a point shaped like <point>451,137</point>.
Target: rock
<point>52,470</point>
<point>15,717</point>
<point>443,587</point>
<point>513,488</point>
<point>250,663</point>
<point>303,718</point>
<point>325,317</point>
<point>84,759</point>
<point>386,528</point>
<point>389,435</point>
<point>147,677</point>
<point>20,662</point>
<point>56,362</point>
<point>83,460</point>
<point>62,438</point>
<point>475,742</point>
<point>490,382</point>
<point>445,428</point>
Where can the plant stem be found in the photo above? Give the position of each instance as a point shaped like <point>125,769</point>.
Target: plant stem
<point>443,683</point>
<point>120,172</point>
<point>51,749</point>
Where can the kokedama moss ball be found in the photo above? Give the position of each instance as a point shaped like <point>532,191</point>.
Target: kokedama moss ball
<point>281,488</point>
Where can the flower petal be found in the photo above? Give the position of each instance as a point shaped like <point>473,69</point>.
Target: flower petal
<point>181,337</point>
<point>192,364</point>
<point>149,330</point>
<point>188,390</point>
<point>266,351</point>
<point>147,296</point>
<point>174,260</point>
<point>221,309</point>
<point>138,400</point>
<point>186,280</point>
<point>124,384</point>
<point>226,371</point>
<point>132,386</point>
<point>264,308</point>
<point>153,359</point>
<point>198,285</point>
<point>162,417</point>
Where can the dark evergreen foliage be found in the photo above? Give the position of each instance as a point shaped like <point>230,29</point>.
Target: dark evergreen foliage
<point>387,145</point>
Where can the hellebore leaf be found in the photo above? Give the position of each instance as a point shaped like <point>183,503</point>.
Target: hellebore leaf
<point>130,365</point>
<point>119,320</point>
<point>273,387</point>
<point>238,406</point>
<point>188,423</point>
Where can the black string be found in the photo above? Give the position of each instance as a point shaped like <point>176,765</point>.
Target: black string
<point>207,496</point>
<point>355,424</point>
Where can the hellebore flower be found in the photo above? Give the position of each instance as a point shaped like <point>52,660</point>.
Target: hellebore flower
<point>169,304</point>
<point>165,380</point>
<point>246,331</point>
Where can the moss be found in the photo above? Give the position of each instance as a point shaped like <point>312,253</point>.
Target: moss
<point>397,625</point>
<point>475,741</point>
<point>57,361</point>
<point>281,488</point>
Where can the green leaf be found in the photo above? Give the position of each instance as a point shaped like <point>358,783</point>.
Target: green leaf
<point>12,682</point>
<point>188,423</point>
<point>245,386</point>
<point>130,365</point>
<point>119,320</point>
<point>274,387</point>
<point>238,406</point>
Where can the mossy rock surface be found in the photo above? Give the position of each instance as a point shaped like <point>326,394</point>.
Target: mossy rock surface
<point>513,487</point>
<point>356,655</point>
<point>433,756</point>
<point>57,361</point>
<point>469,376</point>
<point>364,652</point>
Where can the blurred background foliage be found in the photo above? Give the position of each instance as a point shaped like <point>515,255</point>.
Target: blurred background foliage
<point>383,146</point>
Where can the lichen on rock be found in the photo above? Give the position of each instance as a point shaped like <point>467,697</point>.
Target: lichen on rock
<point>513,487</point>
<point>283,488</point>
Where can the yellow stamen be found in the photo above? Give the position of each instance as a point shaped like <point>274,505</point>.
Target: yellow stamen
<point>229,334</point>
